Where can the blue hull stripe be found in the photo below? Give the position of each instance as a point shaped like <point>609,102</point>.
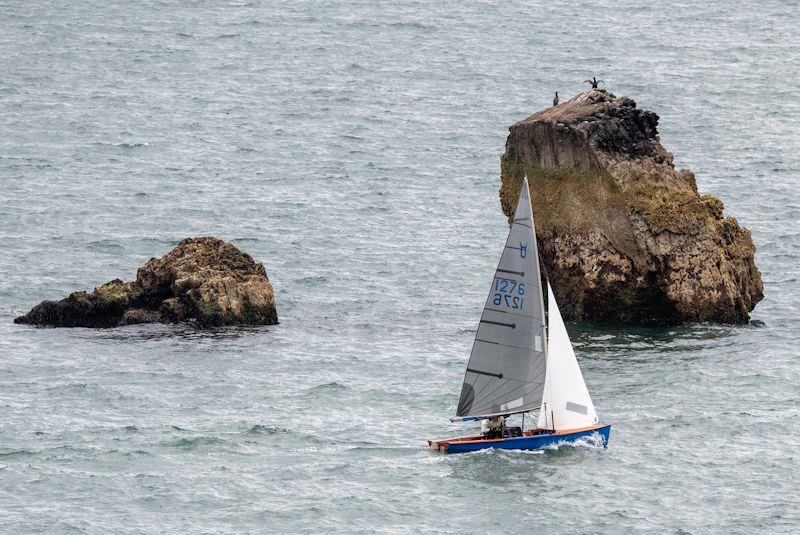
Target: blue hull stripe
<point>535,442</point>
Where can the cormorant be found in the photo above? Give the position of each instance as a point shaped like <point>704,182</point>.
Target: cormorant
<point>594,81</point>
<point>555,100</point>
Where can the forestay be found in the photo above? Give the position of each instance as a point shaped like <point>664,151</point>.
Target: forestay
<point>566,403</point>
<point>506,370</point>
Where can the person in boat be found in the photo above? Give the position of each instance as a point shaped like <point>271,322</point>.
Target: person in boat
<point>493,428</point>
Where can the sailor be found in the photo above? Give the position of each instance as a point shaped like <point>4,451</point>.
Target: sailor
<point>493,428</point>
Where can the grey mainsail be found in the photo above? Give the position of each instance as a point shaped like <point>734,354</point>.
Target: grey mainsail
<point>506,370</point>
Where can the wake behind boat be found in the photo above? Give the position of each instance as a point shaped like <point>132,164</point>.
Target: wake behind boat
<point>522,359</point>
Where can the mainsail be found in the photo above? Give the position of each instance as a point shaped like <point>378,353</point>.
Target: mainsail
<point>506,370</point>
<point>566,403</point>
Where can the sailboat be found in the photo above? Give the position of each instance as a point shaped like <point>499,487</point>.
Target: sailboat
<point>522,359</point>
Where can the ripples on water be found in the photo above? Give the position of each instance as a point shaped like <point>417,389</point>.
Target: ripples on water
<point>354,148</point>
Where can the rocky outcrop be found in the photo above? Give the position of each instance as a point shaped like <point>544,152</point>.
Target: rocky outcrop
<point>204,280</point>
<point>623,236</point>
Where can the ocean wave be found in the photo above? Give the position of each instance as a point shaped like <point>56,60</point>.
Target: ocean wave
<point>260,429</point>
<point>333,386</point>
<point>192,443</point>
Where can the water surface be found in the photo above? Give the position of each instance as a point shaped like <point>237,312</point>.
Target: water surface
<point>354,148</point>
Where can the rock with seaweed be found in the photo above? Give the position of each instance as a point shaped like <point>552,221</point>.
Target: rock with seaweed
<point>204,280</point>
<point>623,235</point>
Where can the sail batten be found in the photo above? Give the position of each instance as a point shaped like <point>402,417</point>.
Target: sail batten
<point>506,369</point>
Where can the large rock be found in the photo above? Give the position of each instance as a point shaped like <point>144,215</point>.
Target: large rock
<point>202,279</point>
<point>622,234</point>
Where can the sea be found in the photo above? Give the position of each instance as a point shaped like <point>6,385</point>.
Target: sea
<point>353,147</point>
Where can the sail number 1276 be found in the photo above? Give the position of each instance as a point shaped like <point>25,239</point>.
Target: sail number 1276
<point>508,292</point>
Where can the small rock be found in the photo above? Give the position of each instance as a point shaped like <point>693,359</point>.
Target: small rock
<point>204,280</point>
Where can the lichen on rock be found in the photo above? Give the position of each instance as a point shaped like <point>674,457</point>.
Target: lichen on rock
<point>204,280</point>
<point>623,235</point>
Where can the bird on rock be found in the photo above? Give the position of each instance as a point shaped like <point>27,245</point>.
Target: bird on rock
<point>594,81</point>
<point>555,100</point>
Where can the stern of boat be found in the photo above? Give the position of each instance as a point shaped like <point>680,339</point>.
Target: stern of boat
<point>439,446</point>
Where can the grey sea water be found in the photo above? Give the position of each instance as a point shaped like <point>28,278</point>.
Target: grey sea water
<point>354,148</point>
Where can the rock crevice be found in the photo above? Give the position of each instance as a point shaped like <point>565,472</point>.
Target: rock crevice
<point>623,235</point>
